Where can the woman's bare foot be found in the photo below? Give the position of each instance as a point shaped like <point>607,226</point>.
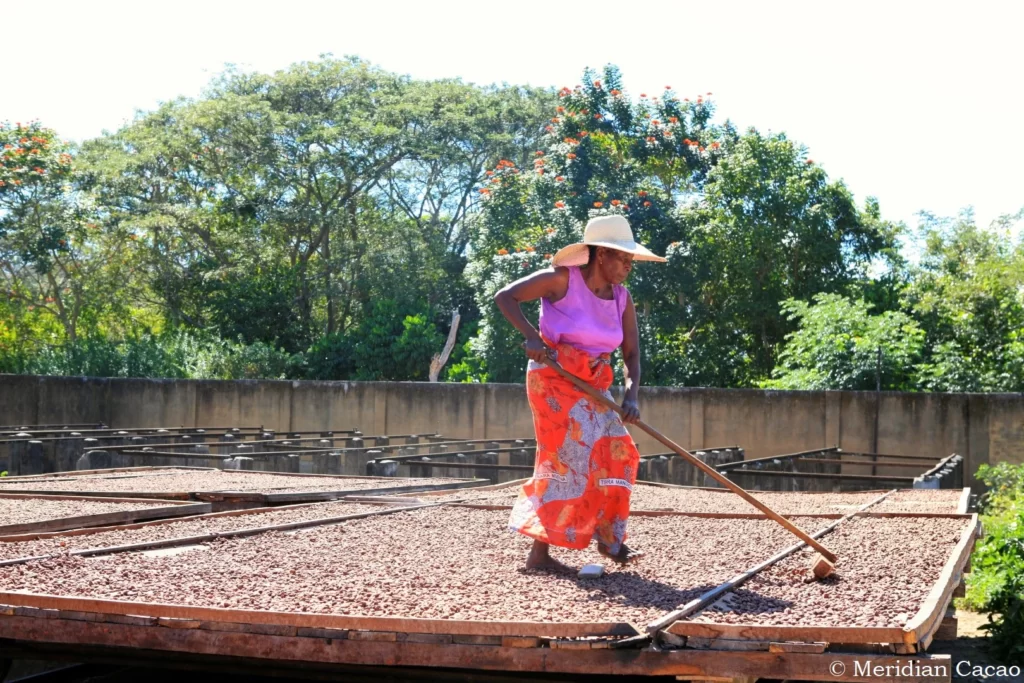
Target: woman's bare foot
<point>624,556</point>
<point>540,558</point>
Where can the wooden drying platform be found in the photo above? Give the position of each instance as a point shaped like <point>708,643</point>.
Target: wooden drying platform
<point>153,510</point>
<point>42,625</point>
<point>227,499</point>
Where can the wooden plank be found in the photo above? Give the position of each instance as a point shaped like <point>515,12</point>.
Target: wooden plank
<point>927,618</point>
<point>965,501</point>
<point>102,639</point>
<point>814,634</point>
<point>797,647</point>
<point>105,518</point>
<point>947,629</point>
<point>726,644</point>
<point>311,620</point>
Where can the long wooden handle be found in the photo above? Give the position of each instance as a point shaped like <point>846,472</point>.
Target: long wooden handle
<point>696,462</point>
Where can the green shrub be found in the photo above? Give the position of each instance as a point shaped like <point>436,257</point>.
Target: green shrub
<point>996,582</point>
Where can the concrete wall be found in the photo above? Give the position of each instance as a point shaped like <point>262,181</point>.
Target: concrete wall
<point>981,427</point>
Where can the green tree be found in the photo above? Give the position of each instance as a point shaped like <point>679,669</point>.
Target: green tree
<point>840,345</point>
<point>55,260</point>
<point>968,293</point>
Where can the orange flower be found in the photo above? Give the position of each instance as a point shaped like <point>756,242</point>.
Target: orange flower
<point>700,100</point>
<point>668,87</point>
<point>615,202</point>
<point>547,257</point>
<point>598,205</point>
<point>715,145</point>
<point>809,161</point>
<point>8,146</point>
<point>597,84</point>
<point>647,203</point>
<point>655,122</point>
<point>615,93</point>
<point>132,236</point>
<point>548,128</point>
<point>564,92</point>
<point>650,139</point>
<point>571,141</point>
<point>484,190</point>
<point>598,116</point>
<point>701,148</point>
<point>539,153</point>
<point>584,133</point>
<point>642,193</point>
<point>554,120</point>
<point>503,252</point>
<point>643,94</point>
<point>530,248</point>
<point>558,205</point>
<point>560,109</point>
<point>559,178</point>
<point>673,119</point>
<point>490,173</point>
<point>571,155</point>
<point>61,242</point>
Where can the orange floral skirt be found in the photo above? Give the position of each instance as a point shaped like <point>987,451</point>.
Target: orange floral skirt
<point>586,460</point>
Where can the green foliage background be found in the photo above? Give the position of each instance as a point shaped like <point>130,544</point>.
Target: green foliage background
<point>324,221</point>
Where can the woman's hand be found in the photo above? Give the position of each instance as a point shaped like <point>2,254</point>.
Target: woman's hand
<point>630,411</point>
<point>537,350</point>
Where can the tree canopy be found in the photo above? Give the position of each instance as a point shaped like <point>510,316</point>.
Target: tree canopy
<point>324,221</point>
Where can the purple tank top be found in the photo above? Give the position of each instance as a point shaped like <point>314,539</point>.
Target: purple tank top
<point>582,319</point>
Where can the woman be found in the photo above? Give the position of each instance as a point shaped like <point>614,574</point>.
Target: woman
<point>586,460</point>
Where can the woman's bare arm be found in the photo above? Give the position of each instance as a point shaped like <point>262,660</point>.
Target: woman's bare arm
<point>631,359</point>
<point>550,284</point>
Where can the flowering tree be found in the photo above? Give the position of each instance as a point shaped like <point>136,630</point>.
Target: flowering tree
<point>746,221</point>
<point>602,153</point>
<point>53,261</point>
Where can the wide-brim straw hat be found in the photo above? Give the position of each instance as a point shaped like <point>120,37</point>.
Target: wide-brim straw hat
<point>605,231</point>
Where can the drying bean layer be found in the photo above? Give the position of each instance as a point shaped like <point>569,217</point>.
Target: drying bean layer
<point>886,568</point>
<point>30,510</point>
<point>160,531</point>
<point>194,481</point>
<point>448,563</point>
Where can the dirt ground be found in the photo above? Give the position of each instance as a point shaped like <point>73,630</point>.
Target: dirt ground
<point>968,646</point>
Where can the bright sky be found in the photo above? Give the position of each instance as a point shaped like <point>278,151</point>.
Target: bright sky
<point>912,102</point>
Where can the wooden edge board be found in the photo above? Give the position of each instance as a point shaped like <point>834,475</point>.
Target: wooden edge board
<point>965,500</point>
<point>672,618</point>
<point>107,518</point>
<point>818,475</point>
<point>311,620</point>
<point>298,495</point>
<point>122,527</point>
<point>277,654</point>
<point>169,496</point>
<point>107,470</point>
<point>929,616</point>
<point>102,499</point>
<point>832,634</point>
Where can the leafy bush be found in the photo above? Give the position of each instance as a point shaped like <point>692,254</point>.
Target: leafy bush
<point>996,582</point>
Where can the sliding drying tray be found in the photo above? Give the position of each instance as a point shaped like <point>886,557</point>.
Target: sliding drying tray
<point>223,488</point>
<point>430,581</point>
